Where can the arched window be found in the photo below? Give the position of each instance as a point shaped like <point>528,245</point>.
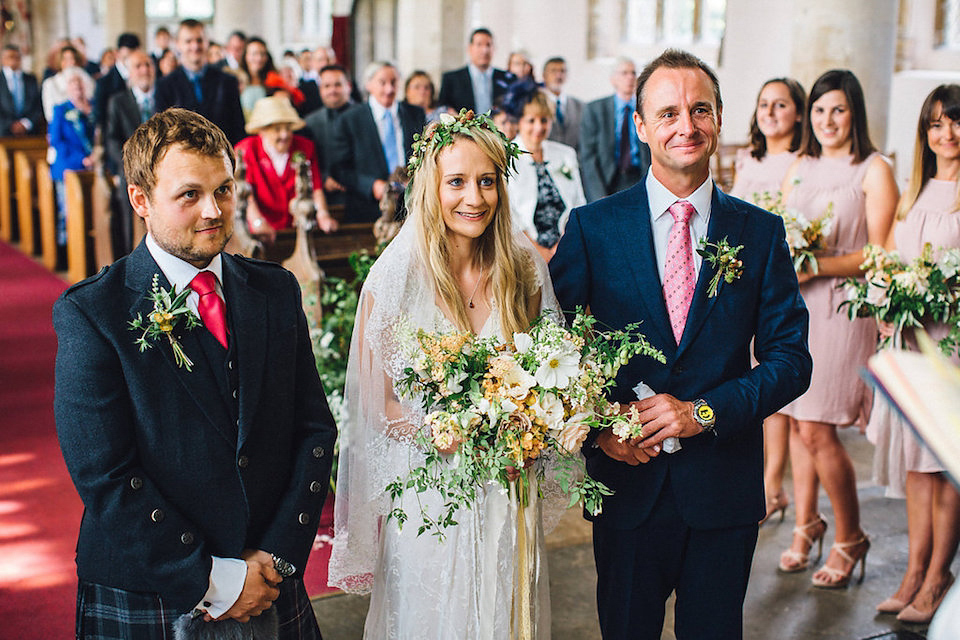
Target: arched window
<point>681,22</point>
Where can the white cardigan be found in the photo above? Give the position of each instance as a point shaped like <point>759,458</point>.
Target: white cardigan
<point>522,188</point>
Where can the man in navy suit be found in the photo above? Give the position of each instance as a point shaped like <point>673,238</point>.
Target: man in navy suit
<point>114,82</point>
<point>684,521</point>
<point>21,112</point>
<point>203,483</point>
<point>201,87</point>
<point>371,140</point>
<point>477,85</point>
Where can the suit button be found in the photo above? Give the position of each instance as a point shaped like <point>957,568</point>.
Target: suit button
<point>234,394</point>
<point>304,518</point>
<point>157,515</point>
<point>318,452</point>
<point>136,483</point>
<point>243,461</point>
<point>315,487</point>
<point>678,368</point>
<point>186,538</point>
<point>230,365</point>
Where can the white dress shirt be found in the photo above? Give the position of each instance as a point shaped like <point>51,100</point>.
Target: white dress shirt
<point>660,199</point>
<point>482,82</point>
<point>227,575</point>
<point>378,112</point>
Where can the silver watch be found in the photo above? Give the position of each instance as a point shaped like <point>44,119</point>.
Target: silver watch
<point>704,415</point>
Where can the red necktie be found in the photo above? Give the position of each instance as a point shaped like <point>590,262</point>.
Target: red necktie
<point>679,277</point>
<point>211,307</point>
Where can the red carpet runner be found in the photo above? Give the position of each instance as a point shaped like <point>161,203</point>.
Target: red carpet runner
<point>39,508</point>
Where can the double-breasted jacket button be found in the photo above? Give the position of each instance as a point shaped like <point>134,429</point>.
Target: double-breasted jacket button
<point>186,538</point>
<point>304,518</point>
<point>234,394</point>
<point>157,515</point>
<point>230,365</point>
<point>318,452</point>
<point>136,483</point>
<point>243,461</point>
<point>315,487</point>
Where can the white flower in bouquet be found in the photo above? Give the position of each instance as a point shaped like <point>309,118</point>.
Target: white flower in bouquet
<point>878,293</point>
<point>549,408</point>
<point>574,432</point>
<point>517,381</point>
<point>949,263</point>
<point>557,369</point>
<point>454,383</point>
<point>913,279</point>
<point>522,342</point>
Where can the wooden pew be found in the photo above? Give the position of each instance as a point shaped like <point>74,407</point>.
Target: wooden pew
<point>47,208</point>
<point>332,250</point>
<point>8,145</point>
<point>25,189</point>
<point>81,261</point>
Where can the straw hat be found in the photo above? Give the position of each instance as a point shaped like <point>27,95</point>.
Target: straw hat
<point>273,110</point>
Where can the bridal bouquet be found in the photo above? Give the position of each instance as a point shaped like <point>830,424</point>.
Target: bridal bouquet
<point>905,295</point>
<point>503,405</point>
<point>804,237</point>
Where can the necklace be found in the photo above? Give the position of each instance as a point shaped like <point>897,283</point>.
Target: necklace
<point>477,286</point>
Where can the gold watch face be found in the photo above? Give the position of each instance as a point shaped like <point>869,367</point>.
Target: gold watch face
<point>705,413</point>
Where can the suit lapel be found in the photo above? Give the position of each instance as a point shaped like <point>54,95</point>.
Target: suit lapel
<point>635,234</point>
<point>199,383</point>
<point>247,310</point>
<point>376,146</point>
<point>724,223</point>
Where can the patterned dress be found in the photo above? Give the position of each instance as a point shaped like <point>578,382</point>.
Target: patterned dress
<point>550,207</point>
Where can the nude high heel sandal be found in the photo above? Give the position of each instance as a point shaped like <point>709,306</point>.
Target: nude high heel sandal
<point>837,579</point>
<point>795,561</point>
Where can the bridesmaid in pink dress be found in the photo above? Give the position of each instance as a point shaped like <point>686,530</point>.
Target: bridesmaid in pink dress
<point>838,165</point>
<point>929,212</point>
<point>776,130</point>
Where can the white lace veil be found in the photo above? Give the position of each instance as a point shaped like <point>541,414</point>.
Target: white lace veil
<point>377,431</point>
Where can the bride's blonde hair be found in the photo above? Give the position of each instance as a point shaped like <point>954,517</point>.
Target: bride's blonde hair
<point>511,269</point>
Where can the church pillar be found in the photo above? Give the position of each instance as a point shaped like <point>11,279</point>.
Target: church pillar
<point>431,35</point>
<point>862,37</point>
<point>125,16</point>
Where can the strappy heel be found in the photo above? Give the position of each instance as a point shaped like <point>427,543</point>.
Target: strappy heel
<point>837,579</point>
<point>776,503</point>
<point>812,532</point>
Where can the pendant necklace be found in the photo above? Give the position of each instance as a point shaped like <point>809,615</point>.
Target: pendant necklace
<point>477,286</point>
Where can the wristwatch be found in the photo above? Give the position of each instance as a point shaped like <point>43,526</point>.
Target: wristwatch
<point>704,415</point>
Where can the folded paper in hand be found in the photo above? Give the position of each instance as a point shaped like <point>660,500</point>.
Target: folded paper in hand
<point>671,444</point>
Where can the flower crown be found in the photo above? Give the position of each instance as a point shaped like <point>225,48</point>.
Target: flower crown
<point>442,135</point>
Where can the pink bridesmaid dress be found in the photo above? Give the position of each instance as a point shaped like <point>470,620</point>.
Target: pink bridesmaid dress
<point>756,177</point>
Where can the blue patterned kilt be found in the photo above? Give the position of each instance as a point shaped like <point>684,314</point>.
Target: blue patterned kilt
<point>105,613</point>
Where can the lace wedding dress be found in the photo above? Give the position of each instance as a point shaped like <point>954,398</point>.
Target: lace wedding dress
<point>422,587</point>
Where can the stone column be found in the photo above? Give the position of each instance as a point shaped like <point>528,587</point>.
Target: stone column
<point>861,37</point>
<point>125,16</point>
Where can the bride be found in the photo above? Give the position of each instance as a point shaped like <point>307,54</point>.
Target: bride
<point>457,264</point>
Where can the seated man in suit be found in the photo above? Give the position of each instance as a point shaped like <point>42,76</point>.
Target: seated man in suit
<point>201,87</point>
<point>477,85</point>
<point>567,109</point>
<point>612,158</point>
<point>684,521</point>
<point>202,462</point>
<point>372,140</point>
<point>125,112</point>
<point>21,111</point>
<point>335,91</point>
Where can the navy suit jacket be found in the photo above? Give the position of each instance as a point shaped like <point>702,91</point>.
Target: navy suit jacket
<point>107,86</point>
<point>456,89</point>
<point>32,107</point>
<point>358,160</point>
<point>606,261</point>
<point>598,148</point>
<point>166,476</point>
<point>221,99</point>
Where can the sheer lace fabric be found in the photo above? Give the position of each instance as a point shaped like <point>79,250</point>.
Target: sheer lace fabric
<point>421,587</point>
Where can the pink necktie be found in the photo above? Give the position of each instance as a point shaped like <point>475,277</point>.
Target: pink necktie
<point>679,277</point>
<point>211,307</point>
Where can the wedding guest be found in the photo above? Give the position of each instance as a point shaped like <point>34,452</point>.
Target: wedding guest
<point>477,85</point>
<point>114,81</point>
<point>269,157</point>
<point>684,522</point>
<point>418,90</point>
<point>53,90</point>
<point>568,111</point>
<point>233,50</point>
<point>161,42</point>
<point>928,214</point>
<point>508,123</point>
<point>456,265</point>
<point>335,95</point>
<point>256,64</point>
<point>839,167</point>
<point>71,136</point>
<point>547,185</point>
<point>518,64</point>
<point>776,129</point>
<point>167,63</point>
<point>21,111</point>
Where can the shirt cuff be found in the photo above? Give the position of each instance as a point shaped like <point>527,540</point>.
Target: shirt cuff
<point>227,576</point>
<point>27,124</point>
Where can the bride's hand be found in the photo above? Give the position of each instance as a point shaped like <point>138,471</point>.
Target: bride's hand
<point>452,448</point>
<point>513,473</point>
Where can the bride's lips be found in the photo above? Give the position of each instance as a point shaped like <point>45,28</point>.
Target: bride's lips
<point>471,215</point>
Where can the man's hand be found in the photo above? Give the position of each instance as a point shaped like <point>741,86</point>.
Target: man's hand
<point>18,129</point>
<point>326,222</point>
<point>379,188</point>
<point>329,184</point>
<point>664,416</point>
<point>259,587</point>
<point>624,451</point>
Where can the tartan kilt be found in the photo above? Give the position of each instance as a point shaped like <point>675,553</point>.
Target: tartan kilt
<point>106,613</point>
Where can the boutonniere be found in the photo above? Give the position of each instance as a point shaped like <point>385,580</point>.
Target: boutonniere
<point>169,311</point>
<point>566,172</point>
<point>723,258</point>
